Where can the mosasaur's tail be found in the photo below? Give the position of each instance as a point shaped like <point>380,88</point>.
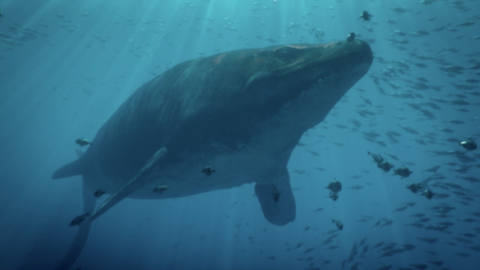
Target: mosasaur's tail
<point>82,234</point>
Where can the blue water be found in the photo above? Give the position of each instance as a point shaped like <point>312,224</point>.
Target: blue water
<point>65,66</point>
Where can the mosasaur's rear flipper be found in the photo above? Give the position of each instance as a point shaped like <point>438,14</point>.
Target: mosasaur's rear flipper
<point>70,169</point>
<point>277,201</point>
<point>133,184</point>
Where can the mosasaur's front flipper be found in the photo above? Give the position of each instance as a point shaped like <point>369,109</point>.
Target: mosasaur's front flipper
<point>276,200</point>
<point>137,181</point>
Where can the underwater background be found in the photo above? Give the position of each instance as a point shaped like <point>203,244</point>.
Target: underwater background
<point>66,66</point>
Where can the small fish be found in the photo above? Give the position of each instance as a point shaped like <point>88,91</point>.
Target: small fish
<point>381,163</point>
<point>82,142</point>
<point>366,16</point>
<point>428,193</point>
<point>208,171</point>
<point>403,172</point>
<point>76,221</point>
<point>308,250</point>
<point>335,187</point>
<point>429,240</point>
<point>376,157</point>
<point>333,196</point>
<point>338,223</point>
<point>351,37</point>
<point>98,193</point>
<point>160,188</point>
<point>386,166</point>
<point>415,187</point>
<point>468,144</point>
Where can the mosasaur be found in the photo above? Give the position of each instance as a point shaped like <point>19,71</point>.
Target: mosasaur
<point>215,123</point>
